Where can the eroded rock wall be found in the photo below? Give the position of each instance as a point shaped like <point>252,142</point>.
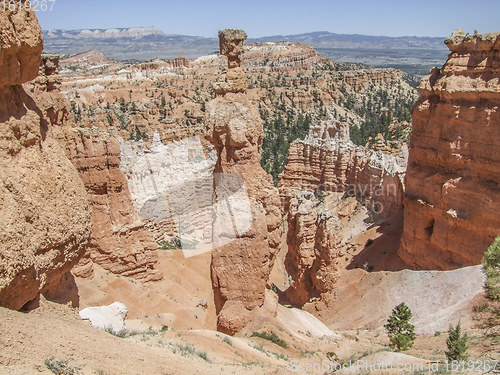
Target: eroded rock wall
<point>120,241</point>
<point>361,79</point>
<point>45,215</point>
<point>287,55</point>
<point>328,161</point>
<point>453,179</point>
<point>314,237</point>
<point>172,189</point>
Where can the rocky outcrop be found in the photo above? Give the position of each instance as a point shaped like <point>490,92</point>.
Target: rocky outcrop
<point>361,79</point>
<point>329,162</point>
<point>45,215</point>
<point>231,46</point>
<point>49,80</point>
<point>179,62</point>
<point>453,179</point>
<point>313,238</point>
<point>284,55</point>
<point>120,241</point>
<point>240,269</point>
<point>107,318</point>
<point>22,44</point>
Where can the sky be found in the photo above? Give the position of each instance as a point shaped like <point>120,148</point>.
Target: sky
<point>278,17</point>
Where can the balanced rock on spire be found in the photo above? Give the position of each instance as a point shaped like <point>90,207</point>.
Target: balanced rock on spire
<point>231,46</point>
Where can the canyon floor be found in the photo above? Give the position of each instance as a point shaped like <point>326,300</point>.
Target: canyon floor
<point>171,333</point>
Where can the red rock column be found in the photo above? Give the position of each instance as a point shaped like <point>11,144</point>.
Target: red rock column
<point>240,269</point>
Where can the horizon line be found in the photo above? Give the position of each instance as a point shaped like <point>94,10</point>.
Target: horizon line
<point>266,36</point>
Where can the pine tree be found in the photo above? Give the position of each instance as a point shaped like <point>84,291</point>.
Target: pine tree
<point>398,327</point>
<point>491,267</point>
<point>355,135</point>
<point>132,135</point>
<point>399,133</point>
<point>457,344</point>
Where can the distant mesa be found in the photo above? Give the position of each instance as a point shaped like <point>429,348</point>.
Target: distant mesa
<point>133,32</point>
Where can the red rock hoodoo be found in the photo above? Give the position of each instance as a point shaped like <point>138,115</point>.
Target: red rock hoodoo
<point>314,237</point>
<point>452,196</point>
<point>240,269</point>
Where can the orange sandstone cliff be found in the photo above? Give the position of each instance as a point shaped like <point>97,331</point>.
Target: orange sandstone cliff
<point>45,215</point>
<point>120,241</point>
<point>452,198</point>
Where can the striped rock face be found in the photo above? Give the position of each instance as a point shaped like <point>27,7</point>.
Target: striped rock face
<point>452,197</point>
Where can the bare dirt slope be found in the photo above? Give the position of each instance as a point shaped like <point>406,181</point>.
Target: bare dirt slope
<point>436,298</point>
<point>56,333</point>
<point>175,301</point>
<point>53,335</point>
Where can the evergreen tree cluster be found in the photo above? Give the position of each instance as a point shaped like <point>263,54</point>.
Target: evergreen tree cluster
<point>378,108</point>
<point>281,127</point>
<point>137,135</point>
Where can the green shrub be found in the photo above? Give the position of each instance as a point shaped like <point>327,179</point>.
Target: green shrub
<point>398,327</point>
<point>202,355</point>
<point>491,267</point>
<point>61,367</point>
<point>172,244</point>
<point>176,244</point>
<point>271,336</point>
<point>121,333</point>
<point>457,344</point>
<point>332,356</point>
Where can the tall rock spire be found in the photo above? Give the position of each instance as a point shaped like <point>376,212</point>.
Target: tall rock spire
<point>240,269</point>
